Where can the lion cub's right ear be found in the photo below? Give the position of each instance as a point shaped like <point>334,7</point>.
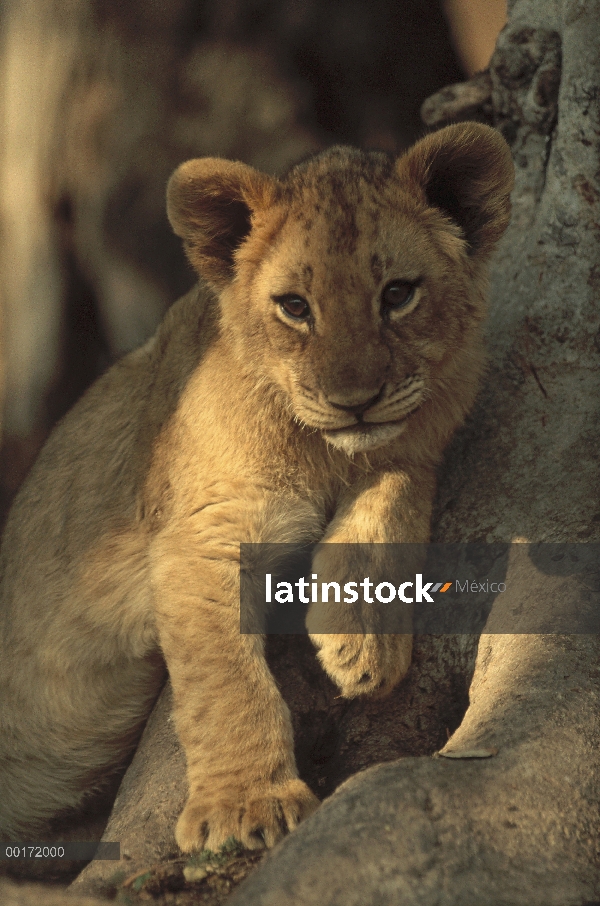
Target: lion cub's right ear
<point>210,204</point>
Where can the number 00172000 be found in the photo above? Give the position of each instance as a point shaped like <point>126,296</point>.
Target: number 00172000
<point>33,851</point>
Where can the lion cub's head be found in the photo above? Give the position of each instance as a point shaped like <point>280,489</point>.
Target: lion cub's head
<point>355,284</point>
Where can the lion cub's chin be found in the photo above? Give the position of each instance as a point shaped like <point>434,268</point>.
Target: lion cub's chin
<point>363,437</point>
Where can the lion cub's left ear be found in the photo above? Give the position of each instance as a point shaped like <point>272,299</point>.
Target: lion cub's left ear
<point>466,171</point>
<point>210,204</point>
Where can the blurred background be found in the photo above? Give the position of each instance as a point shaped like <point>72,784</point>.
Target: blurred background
<point>100,100</point>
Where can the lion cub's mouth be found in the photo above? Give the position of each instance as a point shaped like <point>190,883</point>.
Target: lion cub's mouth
<point>374,427</point>
<point>364,435</point>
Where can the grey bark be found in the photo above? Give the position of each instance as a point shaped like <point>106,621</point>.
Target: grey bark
<point>521,827</point>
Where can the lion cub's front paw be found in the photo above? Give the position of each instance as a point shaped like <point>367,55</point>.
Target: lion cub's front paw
<point>255,817</point>
<point>364,664</point>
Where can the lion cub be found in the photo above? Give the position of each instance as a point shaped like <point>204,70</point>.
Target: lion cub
<point>305,392</point>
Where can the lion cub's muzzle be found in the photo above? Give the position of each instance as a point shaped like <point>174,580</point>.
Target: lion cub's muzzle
<point>357,420</point>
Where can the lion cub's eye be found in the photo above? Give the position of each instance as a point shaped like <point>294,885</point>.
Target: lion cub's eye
<point>397,294</point>
<point>294,307</point>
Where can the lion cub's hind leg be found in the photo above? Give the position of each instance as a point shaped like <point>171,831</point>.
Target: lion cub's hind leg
<point>74,703</point>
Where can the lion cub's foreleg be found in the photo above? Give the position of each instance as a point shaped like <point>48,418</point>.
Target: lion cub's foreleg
<point>363,649</point>
<point>231,719</point>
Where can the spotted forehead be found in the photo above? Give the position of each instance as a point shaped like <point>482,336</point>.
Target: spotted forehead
<point>350,238</point>
<point>302,263</point>
<point>339,196</point>
<point>340,168</point>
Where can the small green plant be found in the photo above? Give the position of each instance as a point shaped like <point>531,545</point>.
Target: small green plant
<point>206,861</point>
<point>117,878</point>
<point>140,881</point>
<point>230,849</point>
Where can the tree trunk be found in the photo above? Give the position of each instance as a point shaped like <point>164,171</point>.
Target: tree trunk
<point>521,827</point>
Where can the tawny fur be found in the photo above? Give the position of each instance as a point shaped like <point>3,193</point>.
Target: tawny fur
<point>233,425</point>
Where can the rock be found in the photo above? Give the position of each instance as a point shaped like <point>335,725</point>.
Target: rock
<point>36,895</point>
<point>148,803</point>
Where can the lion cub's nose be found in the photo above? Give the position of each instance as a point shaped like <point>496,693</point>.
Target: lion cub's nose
<point>357,402</point>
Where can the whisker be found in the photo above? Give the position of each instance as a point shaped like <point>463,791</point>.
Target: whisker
<point>399,405</point>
